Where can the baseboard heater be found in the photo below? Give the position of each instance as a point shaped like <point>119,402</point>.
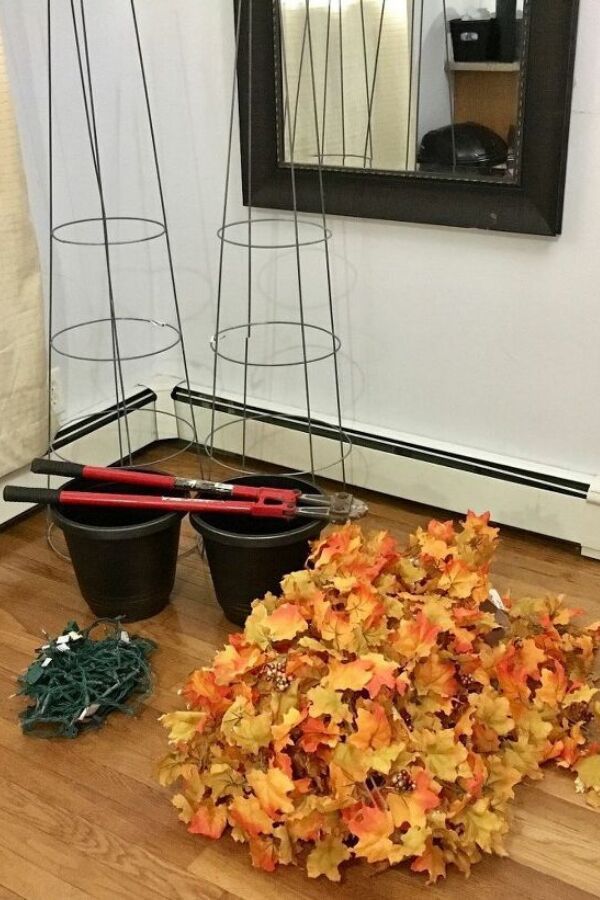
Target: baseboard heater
<point>92,439</point>
<point>555,503</point>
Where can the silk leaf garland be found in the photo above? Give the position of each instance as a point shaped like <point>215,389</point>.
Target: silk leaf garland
<point>383,709</point>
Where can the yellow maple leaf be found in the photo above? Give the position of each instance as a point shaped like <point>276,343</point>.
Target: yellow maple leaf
<point>441,753</point>
<point>531,723</point>
<point>248,815</point>
<point>352,676</point>
<point>361,606</point>
<point>583,694</point>
<point>588,770</point>
<point>349,759</point>
<point>183,724</point>
<point>242,728</point>
<point>413,843</point>
<point>223,781</point>
<point>382,760</point>
<point>436,607</point>
<point>458,580</point>
<point>411,571</point>
<point>173,766</point>
<point>492,710</point>
<point>482,826</point>
<point>522,756</point>
<point>501,778</point>
<point>326,858</point>
<point>271,788</point>
<point>434,548</point>
<point>186,810</point>
<point>281,731</point>
<point>327,702</point>
<point>256,630</point>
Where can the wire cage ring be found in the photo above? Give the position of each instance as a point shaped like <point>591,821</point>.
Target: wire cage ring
<point>59,231</point>
<point>319,355</point>
<point>268,418</point>
<point>113,415</point>
<point>315,233</point>
<point>117,321</point>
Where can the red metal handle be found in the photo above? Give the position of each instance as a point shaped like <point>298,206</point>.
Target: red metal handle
<point>127,476</point>
<point>178,504</point>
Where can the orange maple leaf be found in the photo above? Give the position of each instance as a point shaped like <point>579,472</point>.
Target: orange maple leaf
<point>434,676</point>
<point>202,692</point>
<point>285,622</point>
<point>372,728</point>
<point>208,820</point>
<point>553,687</point>
<point>316,732</point>
<point>431,861</point>
<point>262,853</point>
<point>415,637</point>
<point>442,531</point>
<point>382,673</point>
<point>373,827</point>
<point>232,662</point>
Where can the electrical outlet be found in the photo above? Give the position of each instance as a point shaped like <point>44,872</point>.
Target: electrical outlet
<point>57,400</point>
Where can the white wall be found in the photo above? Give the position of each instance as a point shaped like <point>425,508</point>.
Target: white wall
<point>485,340</point>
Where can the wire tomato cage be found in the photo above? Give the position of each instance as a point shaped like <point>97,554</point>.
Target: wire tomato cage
<point>117,337</point>
<point>288,343</point>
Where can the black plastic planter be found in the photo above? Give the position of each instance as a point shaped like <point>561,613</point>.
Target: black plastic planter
<point>249,556</point>
<point>124,559</point>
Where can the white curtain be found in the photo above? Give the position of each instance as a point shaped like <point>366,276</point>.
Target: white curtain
<point>22,353</point>
<point>361,59</point>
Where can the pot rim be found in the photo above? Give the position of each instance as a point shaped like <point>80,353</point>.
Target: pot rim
<point>310,527</point>
<point>112,532</point>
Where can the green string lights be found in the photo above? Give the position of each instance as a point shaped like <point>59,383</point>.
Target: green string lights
<point>76,680</point>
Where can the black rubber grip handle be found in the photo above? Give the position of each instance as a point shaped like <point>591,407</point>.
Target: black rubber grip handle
<point>16,494</point>
<point>56,467</point>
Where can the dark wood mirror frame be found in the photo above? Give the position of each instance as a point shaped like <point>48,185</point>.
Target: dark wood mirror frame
<point>533,204</point>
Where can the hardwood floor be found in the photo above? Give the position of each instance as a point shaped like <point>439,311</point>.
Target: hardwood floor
<point>86,818</point>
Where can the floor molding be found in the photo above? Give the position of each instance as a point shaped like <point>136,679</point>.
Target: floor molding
<point>541,499</point>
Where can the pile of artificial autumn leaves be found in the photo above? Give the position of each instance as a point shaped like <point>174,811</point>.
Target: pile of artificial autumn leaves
<point>381,710</point>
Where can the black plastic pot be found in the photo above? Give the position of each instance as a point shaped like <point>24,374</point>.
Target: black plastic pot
<point>124,559</point>
<point>249,556</point>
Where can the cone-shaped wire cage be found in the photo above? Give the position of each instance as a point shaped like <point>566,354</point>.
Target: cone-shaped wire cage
<point>118,334</point>
<point>109,345</point>
<point>282,348</point>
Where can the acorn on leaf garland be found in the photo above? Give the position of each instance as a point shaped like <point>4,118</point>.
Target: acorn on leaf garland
<point>380,710</point>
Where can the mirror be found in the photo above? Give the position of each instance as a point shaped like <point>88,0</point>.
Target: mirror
<point>402,85</point>
<point>440,111</point>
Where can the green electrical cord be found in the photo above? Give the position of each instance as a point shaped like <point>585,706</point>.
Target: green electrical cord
<point>76,681</point>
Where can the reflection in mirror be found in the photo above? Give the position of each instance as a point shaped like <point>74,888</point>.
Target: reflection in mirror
<point>427,86</point>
